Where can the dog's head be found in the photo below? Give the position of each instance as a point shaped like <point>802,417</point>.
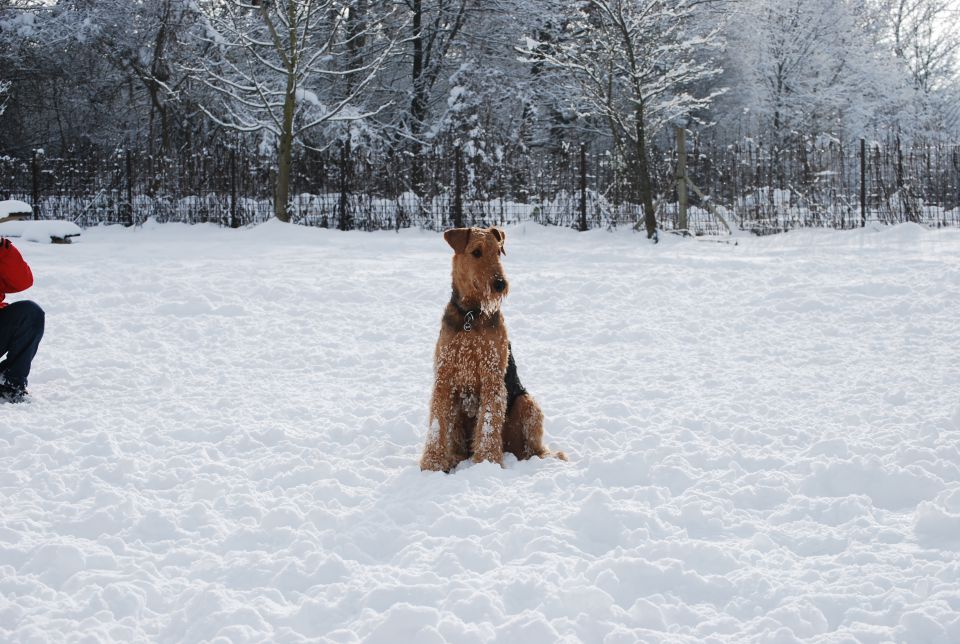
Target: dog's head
<point>477,274</point>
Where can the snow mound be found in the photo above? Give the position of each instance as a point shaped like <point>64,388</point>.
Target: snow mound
<point>938,522</point>
<point>40,231</point>
<point>14,207</point>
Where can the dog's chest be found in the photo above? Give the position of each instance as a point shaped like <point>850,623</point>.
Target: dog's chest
<point>469,403</point>
<point>467,359</point>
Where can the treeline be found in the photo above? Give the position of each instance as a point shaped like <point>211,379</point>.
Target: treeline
<point>478,100</point>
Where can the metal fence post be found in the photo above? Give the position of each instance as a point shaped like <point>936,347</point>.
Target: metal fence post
<point>129,208</point>
<point>863,183</point>
<point>234,221</point>
<point>35,188</point>
<point>583,187</point>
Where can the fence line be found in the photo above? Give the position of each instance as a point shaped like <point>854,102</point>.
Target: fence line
<point>832,184</point>
<point>756,186</point>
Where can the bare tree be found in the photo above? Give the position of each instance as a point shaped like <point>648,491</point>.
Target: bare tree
<point>273,68</point>
<point>805,67</point>
<point>927,39</point>
<point>435,26</point>
<point>635,63</point>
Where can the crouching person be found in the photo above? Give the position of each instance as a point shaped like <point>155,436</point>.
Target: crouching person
<point>21,325</point>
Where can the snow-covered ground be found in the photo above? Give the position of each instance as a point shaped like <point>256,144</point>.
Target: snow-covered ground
<point>222,445</point>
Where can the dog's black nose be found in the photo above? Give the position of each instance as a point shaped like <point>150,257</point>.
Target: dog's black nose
<point>499,284</point>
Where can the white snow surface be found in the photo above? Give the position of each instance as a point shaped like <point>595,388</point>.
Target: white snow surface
<point>222,444</point>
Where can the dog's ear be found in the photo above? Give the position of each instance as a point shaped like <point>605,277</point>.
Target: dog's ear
<point>501,238</point>
<point>457,238</point>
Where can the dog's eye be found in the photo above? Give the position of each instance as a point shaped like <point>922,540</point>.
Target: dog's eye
<point>477,253</point>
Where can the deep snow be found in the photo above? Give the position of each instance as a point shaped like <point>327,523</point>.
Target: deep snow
<point>225,427</point>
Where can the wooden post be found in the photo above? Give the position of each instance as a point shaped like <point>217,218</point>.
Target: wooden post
<point>681,177</point>
<point>35,192</point>
<point>863,183</point>
<point>706,204</point>
<point>458,187</point>
<point>583,187</point>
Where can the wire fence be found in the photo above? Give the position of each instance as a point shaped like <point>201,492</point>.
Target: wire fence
<point>830,184</point>
<point>753,186</point>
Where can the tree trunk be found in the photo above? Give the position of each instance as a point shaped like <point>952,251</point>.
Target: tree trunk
<point>458,188</point>
<point>643,179</point>
<point>281,203</point>
<point>281,200</point>
<point>356,42</point>
<point>346,221</point>
<point>418,102</point>
<point>159,71</point>
<point>681,178</point>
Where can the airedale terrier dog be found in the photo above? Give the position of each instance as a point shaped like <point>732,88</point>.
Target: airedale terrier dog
<point>479,408</point>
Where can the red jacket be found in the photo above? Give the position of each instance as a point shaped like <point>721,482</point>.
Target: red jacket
<point>15,275</point>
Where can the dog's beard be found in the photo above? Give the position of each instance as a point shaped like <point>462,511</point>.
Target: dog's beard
<point>491,302</point>
<point>488,299</point>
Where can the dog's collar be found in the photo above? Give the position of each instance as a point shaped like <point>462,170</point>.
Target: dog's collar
<point>470,316</point>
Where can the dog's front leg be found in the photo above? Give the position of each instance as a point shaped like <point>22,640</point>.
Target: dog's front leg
<point>488,434</point>
<point>436,452</point>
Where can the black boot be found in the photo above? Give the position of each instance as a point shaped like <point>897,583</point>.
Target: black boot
<point>11,393</point>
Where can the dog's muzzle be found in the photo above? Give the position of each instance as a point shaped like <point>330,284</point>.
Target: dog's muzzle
<point>499,284</point>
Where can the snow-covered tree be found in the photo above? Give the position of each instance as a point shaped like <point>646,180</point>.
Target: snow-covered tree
<point>144,43</point>
<point>803,67</point>
<point>273,68</point>
<point>635,65</point>
<point>109,64</point>
<point>925,37</point>
<point>434,29</point>
<point>481,109</point>
<point>799,69</point>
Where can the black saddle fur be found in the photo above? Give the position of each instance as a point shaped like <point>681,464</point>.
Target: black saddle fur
<point>512,380</point>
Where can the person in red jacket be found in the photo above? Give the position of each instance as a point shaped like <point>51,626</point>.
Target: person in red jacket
<point>21,325</point>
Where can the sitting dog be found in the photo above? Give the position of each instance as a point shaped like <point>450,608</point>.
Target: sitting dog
<point>479,409</point>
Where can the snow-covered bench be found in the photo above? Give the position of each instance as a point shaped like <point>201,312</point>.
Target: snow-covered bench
<point>15,222</point>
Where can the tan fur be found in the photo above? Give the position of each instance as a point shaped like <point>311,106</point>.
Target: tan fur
<point>468,410</point>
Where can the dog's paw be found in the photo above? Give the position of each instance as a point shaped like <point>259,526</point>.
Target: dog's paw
<point>437,463</point>
<point>431,465</point>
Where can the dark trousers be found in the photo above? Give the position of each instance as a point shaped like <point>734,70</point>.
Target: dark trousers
<point>21,327</point>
